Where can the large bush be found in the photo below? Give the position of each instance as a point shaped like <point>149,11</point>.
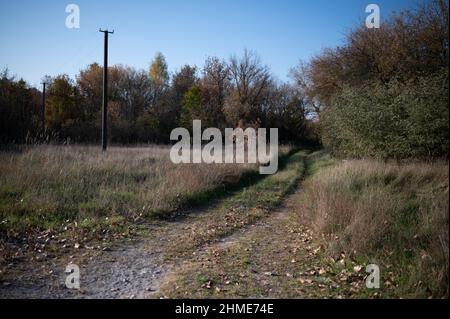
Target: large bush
<point>390,120</point>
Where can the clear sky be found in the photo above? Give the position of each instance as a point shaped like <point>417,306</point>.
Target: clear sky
<point>34,40</point>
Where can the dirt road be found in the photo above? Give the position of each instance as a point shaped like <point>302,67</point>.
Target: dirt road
<point>249,244</point>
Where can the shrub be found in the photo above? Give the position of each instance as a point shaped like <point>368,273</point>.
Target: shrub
<point>392,120</point>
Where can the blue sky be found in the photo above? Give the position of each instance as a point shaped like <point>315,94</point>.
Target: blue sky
<point>35,41</point>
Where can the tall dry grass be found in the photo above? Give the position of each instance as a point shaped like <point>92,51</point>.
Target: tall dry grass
<point>44,186</point>
<point>394,215</point>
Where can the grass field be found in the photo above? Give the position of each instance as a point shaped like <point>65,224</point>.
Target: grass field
<point>83,191</point>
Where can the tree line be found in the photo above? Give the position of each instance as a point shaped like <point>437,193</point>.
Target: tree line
<point>145,105</point>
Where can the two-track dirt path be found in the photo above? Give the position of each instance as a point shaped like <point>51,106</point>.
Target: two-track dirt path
<point>128,270</point>
<point>235,247</point>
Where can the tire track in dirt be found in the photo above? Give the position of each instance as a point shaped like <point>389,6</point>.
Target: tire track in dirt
<point>288,240</point>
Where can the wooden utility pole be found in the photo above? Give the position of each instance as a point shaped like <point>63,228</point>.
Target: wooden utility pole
<point>105,93</point>
<point>43,107</point>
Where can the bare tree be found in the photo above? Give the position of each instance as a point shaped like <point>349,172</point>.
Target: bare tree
<point>215,85</point>
<point>304,83</point>
<point>250,81</point>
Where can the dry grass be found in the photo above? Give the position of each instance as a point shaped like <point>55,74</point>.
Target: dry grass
<point>389,214</point>
<point>46,187</point>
